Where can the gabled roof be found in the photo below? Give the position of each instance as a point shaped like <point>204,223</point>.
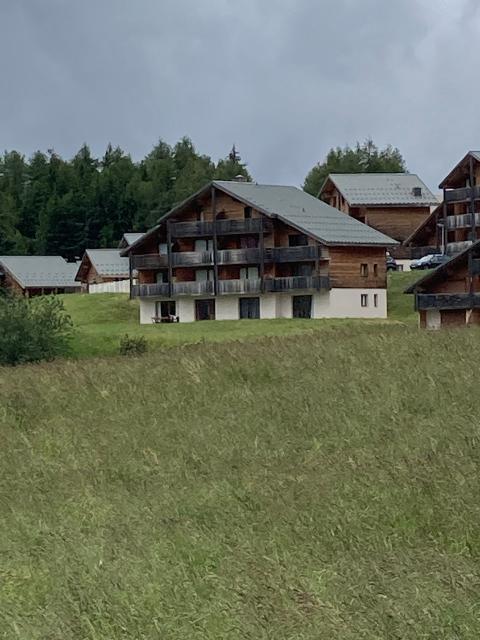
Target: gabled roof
<point>430,220</point>
<point>40,271</point>
<point>128,239</point>
<point>294,207</point>
<point>361,189</point>
<point>459,169</point>
<point>443,270</point>
<point>107,263</point>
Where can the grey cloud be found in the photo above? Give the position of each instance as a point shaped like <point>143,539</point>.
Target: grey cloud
<point>285,80</point>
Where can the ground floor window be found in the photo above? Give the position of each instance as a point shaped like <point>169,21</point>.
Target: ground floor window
<point>249,308</point>
<point>364,299</point>
<point>302,306</point>
<point>166,309</point>
<point>375,299</point>
<point>205,309</point>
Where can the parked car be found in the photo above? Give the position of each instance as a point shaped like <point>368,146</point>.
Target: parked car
<point>431,261</point>
<point>391,263</point>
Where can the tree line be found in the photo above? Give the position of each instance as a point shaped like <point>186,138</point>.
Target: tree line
<point>52,206</point>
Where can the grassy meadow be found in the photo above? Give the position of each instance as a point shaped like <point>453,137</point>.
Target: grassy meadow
<point>320,481</point>
<point>312,486</point>
<point>102,319</point>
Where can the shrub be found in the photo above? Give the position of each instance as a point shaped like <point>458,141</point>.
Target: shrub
<point>132,345</point>
<point>33,329</point>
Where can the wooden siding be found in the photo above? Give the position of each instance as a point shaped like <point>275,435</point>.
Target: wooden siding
<point>398,223</point>
<point>345,265</point>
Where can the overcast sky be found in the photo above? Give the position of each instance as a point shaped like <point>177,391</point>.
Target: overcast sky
<point>283,79</point>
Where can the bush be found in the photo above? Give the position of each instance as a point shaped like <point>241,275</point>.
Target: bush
<point>33,329</point>
<point>132,345</point>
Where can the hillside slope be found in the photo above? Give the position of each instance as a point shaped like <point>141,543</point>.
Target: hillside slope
<point>316,487</point>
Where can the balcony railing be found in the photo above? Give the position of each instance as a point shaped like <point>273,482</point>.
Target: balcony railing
<point>192,288</point>
<point>456,247</point>
<point>462,195</point>
<point>150,290</point>
<point>191,258</point>
<point>253,285</point>
<point>223,227</point>
<point>447,301</point>
<point>462,221</point>
<point>294,254</point>
<point>149,261</point>
<point>239,256</point>
<point>279,285</point>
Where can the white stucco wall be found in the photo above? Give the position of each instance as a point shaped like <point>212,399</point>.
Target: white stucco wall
<point>147,310</point>
<point>346,303</point>
<point>433,319</point>
<point>284,305</point>
<point>185,309</point>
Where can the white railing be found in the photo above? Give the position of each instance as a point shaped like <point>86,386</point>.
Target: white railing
<point>120,286</point>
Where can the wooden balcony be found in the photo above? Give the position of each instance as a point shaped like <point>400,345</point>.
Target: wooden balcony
<point>456,247</point>
<point>253,285</point>
<point>223,227</point>
<point>279,285</point>
<point>445,301</point>
<point>239,256</point>
<point>149,261</point>
<point>462,221</point>
<point>203,287</point>
<point>150,290</point>
<point>191,258</point>
<point>294,254</point>
<point>462,195</point>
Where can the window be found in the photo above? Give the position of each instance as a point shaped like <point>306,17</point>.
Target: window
<point>364,270</point>
<point>163,248</point>
<point>364,300</point>
<point>375,299</point>
<point>203,245</point>
<point>297,240</point>
<point>161,276</point>
<point>299,270</point>
<point>247,212</point>
<point>248,242</point>
<point>166,309</point>
<point>375,270</point>
<point>302,306</point>
<point>249,308</point>
<point>202,275</point>
<point>249,273</point>
<point>205,309</point>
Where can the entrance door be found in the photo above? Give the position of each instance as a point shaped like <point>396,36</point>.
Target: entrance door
<point>249,308</point>
<point>205,309</point>
<point>302,306</point>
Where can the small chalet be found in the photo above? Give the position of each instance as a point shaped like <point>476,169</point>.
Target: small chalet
<point>393,203</point>
<point>128,239</point>
<point>449,296</point>
<point>102,265</point>
<point>238,250</point>
<point>455,224</point>
<point>38,275</point>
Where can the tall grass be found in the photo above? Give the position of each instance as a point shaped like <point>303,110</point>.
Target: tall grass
<point>310,487</point>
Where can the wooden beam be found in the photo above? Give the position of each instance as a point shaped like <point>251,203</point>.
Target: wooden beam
<point>215,243</point>
<point>169,253</point>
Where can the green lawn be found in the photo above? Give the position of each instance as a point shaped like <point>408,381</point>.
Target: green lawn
<point>305,487</point>
<point>102,319</point>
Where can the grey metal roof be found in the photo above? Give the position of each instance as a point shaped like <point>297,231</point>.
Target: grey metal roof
<point>305,212</point>
<point>130,238</point>
<point>382,188</point>
<point>41,271</point>
<point>108,262</point>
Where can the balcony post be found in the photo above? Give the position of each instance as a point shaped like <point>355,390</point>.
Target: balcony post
<point>261,246</point>
<point>169,253</point>
<point>130,274</point>
<point>214,229</point>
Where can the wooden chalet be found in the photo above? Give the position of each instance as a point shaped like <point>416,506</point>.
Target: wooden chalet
<point>449,296</point>
<point>393,203</point>
<point>128,239</point>
<point>242,250</point>
<point>455,224</point>
<point>102,265</point>
<point>38,275</point>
